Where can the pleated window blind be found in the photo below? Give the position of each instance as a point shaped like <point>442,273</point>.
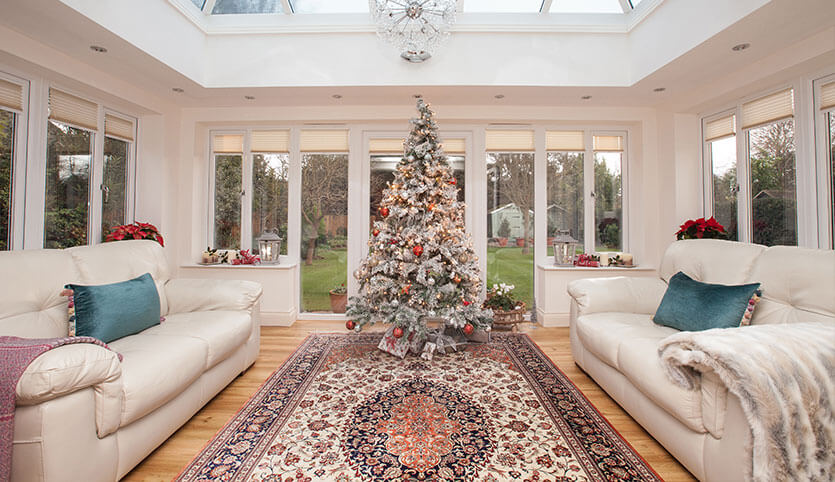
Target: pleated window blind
<point>228,143</point>
<point>608,143</point>
<point>324,140</point>
<point>564,141</point>
<point>771,108</point>
<point>118,127</point>
<point>720,128</point>
<point>510,140</point>
<point>11,95</point>
<point>828,96</point>
<point>385,146</point>
<point>69,109</point>
<point>455,146</point>
<point>271,141</point>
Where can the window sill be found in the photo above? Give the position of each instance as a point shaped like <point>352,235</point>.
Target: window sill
<point>620,269</point>
<point>280,266</point>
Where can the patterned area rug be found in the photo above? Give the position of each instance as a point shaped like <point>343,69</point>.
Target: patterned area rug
<point>339,409</point>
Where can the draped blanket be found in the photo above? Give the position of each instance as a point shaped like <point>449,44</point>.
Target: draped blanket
<point>15,356</point>
<point>784,377</point>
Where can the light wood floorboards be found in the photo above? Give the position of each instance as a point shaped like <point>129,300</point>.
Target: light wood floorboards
<point>277,343</point>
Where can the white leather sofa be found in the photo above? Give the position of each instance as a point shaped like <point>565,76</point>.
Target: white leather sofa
<point>614,339</point>
<point>83,415</point>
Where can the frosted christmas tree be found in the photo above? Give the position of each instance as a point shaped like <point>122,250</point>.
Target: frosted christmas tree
<point>421,262</point>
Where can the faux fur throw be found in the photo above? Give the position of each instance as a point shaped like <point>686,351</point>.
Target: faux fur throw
<point>784,377</point>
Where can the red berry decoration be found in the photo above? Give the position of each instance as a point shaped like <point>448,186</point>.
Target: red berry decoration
<point>384,211</point>
<point>417,250</point>
<point>397,332</point>
<point>375,232</point>
<point>468,329</point>
<point>453,181</point>
<point>431,206</point>
<point>350,324</point>
<point>405,289</point>
<point>466,303</point>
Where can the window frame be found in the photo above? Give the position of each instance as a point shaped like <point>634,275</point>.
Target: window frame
<point>824,165</point>
<point>707,166</point>
<point>97,203</point>
<point>19,164</point>
<point>246,162</point>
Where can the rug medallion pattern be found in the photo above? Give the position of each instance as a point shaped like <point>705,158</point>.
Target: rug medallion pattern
<point>340,409</point>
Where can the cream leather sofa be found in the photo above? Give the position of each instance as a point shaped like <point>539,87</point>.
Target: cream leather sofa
<point>84,416</point>
<point>614,339</point>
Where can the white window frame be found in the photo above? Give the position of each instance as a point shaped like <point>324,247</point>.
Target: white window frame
<point>19,151</point>
<point>707,165</point>
<point>97,174</point>
<point>823,167</point>
<point>246,187</point>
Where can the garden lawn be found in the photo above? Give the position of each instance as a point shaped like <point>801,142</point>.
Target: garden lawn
<point>510,266</point>
<point>323,275</point>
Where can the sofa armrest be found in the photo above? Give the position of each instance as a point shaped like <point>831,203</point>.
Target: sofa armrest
<point>187,295</point>
<point>618,294</point>
<point>69,368</point>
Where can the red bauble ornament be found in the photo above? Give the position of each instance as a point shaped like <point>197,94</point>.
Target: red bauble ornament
<point>431,206</point>
<point>468,329</point>
<point>384,211</point>
<point>397,332</point>
<point>350,324</point>
<point>393,241</point>
<point>405,289</point>
<point>417,250</point>
<point>375,232</point>
<point>466,303</point>
<point>453,181</point>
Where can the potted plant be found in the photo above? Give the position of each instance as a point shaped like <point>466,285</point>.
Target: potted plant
<point>339,298</point>
<point>701,228</point>
<point>134,231</point>
<point>507,311</point>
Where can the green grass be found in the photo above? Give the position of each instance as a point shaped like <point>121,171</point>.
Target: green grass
<point>510,266</point>
<point>321,277</point>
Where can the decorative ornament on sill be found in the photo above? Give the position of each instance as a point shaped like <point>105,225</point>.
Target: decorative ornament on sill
<point>415,27</point>
<point>269,247</point>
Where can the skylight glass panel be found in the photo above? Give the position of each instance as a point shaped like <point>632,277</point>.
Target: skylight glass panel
<point>199,3</point>
<point>503,6</point>
<point>246,6</point>
<point>634,3</point>
<point>329,6</point>
<point>586,6</point>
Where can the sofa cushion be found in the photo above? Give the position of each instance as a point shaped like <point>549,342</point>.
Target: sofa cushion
<point>222,331</point>
<point>602,333</point>
<point>711,260</point>
<point>638,360</point>
<point>155,369</point>
<point>691,305</point>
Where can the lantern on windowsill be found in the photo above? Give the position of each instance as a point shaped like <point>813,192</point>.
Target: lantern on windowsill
<point>269,247</point>
<point>564,248</point>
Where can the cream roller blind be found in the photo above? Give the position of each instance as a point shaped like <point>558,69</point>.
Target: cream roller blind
<point>324,140</point>
<point>11,95</point>
<point>720,128</point>
<point>608,143</point>
<point>564,141</point>
<point>770,108</point>
<point>67,108</point>
<point>828,95</point>
<point>510,140</point>
<point>118,127</point>
<point>271,141</point>
<point>228,143</point>
<point>385,146</point>
<point>455,146</point>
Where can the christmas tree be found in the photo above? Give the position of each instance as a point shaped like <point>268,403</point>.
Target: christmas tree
<point>421,262</point>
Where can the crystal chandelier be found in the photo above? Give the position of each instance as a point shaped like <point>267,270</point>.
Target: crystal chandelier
<point>415,27</point>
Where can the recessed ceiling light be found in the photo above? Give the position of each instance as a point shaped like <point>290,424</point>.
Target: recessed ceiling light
<point>249,97</point>
<point>98,49</point>
<point>499,96</point>
<point>177,90</point>
<point>659,89</point>
<point>336,96</point>
<point>586,97</point>
<point>740,47</point>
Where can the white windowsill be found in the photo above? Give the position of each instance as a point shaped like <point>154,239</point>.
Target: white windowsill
<point>553,267</point>
<point>283,265</point>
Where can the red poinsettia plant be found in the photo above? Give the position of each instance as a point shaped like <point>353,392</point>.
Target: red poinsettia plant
<point>134,231</point>
<point>701,228</point>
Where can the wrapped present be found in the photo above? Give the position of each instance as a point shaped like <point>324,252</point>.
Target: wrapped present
<point>395,346</point>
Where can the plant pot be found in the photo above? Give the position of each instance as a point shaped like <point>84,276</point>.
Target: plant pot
<point>502,241</point>
<point>338,301</point>
<point>510,318</point>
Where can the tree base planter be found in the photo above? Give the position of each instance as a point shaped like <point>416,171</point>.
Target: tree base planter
<point>338,301</point>
<point>509,319</point>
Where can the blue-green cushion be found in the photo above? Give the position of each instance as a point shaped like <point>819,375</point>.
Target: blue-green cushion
<point>690,305</point>
<point>109,312</point>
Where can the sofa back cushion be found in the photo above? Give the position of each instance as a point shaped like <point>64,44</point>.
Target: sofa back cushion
<point>798,285</point>
<point>121,261</point>
<point>31,305</point>
<point>711,260</point>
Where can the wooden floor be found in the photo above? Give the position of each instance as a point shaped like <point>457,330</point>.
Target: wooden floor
<point>277,343</point>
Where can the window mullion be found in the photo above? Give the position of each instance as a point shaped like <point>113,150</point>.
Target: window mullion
<point>246,197</point>
<point>588,189</point>
<point>96,179</point>
<point>743,195</point>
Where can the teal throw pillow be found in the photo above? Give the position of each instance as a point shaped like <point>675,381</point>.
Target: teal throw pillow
<point>112,311</point>
<point>690,305</point>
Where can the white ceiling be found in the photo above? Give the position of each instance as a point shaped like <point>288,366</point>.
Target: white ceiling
<point>680,46</point>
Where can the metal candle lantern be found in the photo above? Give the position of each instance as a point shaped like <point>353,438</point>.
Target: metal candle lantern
<point>564,248</point>
<point>269,247</point>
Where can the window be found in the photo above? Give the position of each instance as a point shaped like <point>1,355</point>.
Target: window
<point>565,185</point>
<point>118,141</point>
<point>270,176</point>
<point>510,210</point>
<point>608,193</point>
<point>755,201</point>
<point>227,150</point>
<point>825,108</point>
<point>11,108</point>
<point>324,223</point>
